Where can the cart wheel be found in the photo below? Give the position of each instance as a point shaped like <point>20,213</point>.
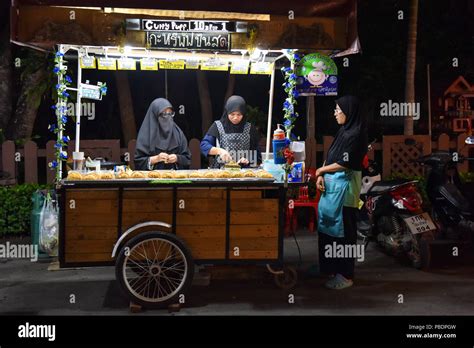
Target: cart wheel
<point>154,268</point>
<point>288,279</point>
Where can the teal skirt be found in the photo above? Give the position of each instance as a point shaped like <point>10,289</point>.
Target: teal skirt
<point>330,206</point>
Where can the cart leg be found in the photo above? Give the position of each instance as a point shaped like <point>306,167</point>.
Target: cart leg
<point>135,308</point>
<point>175,307</point>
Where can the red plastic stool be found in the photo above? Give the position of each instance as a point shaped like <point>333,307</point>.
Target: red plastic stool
<point>303,201</point>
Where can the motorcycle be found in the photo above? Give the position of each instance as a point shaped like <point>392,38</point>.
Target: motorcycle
<point>451,211</point>
<point>393,217</point>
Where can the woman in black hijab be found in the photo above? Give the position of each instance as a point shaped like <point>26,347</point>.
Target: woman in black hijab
<point>340,180</point>
<point>161,144</point>
<point>232,137</point>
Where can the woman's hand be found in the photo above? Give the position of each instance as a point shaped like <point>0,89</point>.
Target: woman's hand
<point>319,172</point>
<point>162,157</point>
<point>226,157</point>
<point>320,183</point>
<point>243,161</point>
<point>172,159</point>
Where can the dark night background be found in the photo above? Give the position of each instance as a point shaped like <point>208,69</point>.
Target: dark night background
<point>445,30</point>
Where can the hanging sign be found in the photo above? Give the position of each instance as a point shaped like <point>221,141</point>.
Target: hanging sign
<point>240,67</point>
<point>186,26</point>
<point>215,65</point>
<point>317,76</point>
<point>261,68</point>
<point>189,41</point>
<point>107,64</point>
<point>172,64</point>
<point>126,64</point>
<point>90,92</point>
<point>88,62</point>
<point>148,64</point>
<point>192,64</point>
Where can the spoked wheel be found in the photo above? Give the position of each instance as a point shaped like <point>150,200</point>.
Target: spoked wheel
<point>288,279</point>
<point>154,268</point>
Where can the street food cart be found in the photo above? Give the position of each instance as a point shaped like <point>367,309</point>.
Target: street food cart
<point>155,226</point>
<point>155,231</point>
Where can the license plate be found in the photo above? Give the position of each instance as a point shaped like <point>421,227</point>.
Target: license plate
<point>420,223</point>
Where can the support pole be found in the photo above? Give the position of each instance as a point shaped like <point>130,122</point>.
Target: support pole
<point>60,133</point>
<point>78,103</point>
<point>270,112</point>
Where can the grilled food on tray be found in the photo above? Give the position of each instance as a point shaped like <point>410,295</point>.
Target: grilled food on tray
<point>155,174</point>
<point>170,174</point>
<point>264,174</point>
<point>167,175</point>
<point>237,174</point>
<point>195,174</point>
<point>138,175</point>
<point>92,176</point>
<point>210,174</point>
<point>249,174</point>
<point>71,175</point>
<point>232,165</point>
<point>124,175</point>
<point>107,176</point>
<point>223,174</point>
<point>180,175</point>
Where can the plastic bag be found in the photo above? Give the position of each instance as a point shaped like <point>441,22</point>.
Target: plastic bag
<point>49,227</point>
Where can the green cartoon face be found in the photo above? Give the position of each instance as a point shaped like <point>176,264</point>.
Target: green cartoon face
<point>316,68</point>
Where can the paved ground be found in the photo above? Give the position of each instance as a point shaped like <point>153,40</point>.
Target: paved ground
<point>29,288</point>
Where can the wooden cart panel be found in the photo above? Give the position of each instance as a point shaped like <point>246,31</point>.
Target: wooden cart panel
<point>217,224</point>
<point>253,230</point>
<point>91,223</point>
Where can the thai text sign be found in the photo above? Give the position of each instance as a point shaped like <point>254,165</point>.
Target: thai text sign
<point>192,41</point>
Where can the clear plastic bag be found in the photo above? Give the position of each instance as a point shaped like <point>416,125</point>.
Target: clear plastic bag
<point>49,227</point>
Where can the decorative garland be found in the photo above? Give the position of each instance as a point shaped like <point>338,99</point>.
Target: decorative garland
<point>290,88</point>
<point>60,108</point>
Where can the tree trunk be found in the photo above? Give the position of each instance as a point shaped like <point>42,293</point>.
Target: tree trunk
<point>205,100</point>
<point>127,117</point>
<point>23,120</point>
<point>230,87</point>
<point>5,78</point>
<point>411,64</point>
<point>310,143</point>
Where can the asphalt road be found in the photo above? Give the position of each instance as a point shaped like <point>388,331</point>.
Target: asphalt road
<point>29,288</point>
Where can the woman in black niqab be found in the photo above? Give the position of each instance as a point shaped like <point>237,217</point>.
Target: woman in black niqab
<point>161,144</point>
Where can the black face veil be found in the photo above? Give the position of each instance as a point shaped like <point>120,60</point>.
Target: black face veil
<point>158,133</point>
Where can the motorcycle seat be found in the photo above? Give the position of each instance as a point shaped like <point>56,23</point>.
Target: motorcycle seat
<point>381,187</point>
<point>454,196</point>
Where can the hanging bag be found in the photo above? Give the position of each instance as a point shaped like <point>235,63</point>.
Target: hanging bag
<point>49,227</point>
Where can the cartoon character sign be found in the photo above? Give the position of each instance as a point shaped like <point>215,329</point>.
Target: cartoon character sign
<point>317,75</point>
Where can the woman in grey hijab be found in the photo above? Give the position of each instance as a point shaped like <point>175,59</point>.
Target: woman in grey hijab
<point>161,144</point>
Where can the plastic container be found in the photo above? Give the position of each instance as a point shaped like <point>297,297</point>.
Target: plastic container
<point>274,169</point>
<point>298,148</point>
<point>279,134</point>
<point>278,146</point>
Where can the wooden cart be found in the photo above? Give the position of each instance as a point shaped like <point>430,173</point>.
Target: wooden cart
<point>155,233</point>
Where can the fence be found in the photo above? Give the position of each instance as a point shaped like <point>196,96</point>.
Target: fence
<point>396,155</point>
